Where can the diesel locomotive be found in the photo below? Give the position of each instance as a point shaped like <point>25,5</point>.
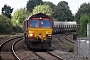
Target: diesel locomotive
<point>38,31</point>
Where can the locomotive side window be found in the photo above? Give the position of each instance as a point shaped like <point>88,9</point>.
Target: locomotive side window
<point>46,23</point>
<point>34,23</point>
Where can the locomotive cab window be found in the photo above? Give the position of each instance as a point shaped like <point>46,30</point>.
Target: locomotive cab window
<point>34,23</point>
<point>46,23</point>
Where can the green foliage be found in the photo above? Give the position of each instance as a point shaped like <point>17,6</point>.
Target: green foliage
<point>52,6</point>
<point>19,16</point>
<point>42,9</point>
<point>84,19</point>
<point>17,29</point>
<point>5,25</point>
<point>7,10</point>
<point>62,12</point>
<point>84,9</point>
<point>32,3</point>
<point>71,49</point>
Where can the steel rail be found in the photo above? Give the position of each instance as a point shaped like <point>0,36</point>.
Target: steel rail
<point>69,39</point>
<point>59,38</point>
<point>13,49</point>
<point>37,54</point>
<point>58,57</point>
<point>1,45</point>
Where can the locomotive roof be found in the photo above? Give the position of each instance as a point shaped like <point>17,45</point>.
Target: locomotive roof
<point>40,15</point>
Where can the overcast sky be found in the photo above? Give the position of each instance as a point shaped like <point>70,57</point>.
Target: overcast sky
<point>16,4</point>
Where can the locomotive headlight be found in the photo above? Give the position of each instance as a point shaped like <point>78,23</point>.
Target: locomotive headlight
<point>31,34</point>
<point>40,18</point>
<point>48,35</point>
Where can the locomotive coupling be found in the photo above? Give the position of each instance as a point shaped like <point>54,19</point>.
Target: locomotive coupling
<point>40,37</point>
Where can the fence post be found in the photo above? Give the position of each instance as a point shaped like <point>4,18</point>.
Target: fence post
<point>88,35</point>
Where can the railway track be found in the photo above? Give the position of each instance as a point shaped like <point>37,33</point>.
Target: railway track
<point>3,39</point>
<point>65,37</point>
<point>58,57</point>
<point>47,56</point>
<point>12,38</point>
<point>68,39</point>
<point>58,37</point>
<point>63,43</point>
<point>40,55</point>
<point>7,49</point>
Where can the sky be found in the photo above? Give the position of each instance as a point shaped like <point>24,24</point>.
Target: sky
<point>17,4</point>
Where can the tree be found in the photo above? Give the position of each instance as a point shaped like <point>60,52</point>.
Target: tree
<point>7,10</point>
<point>32,3</point>
<point>84,19</point>
<point>63,12</point>
<point>19,16</point>
<point>84,9</point>
<point>42,9</point>
<point>5,25</point>
<point>52,6</point>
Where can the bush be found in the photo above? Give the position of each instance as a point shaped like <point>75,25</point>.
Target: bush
<point>5,25</point>
<point>17,29</point>
<point>71,49</point>
<point>13,33</point>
